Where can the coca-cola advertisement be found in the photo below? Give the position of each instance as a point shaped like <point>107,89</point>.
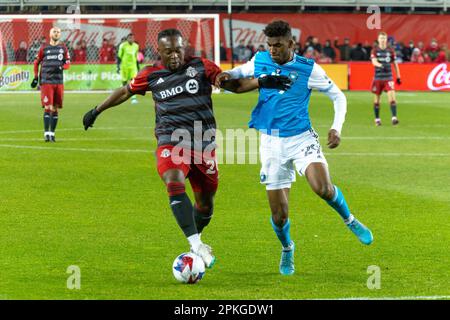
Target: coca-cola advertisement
<point>415,76</point>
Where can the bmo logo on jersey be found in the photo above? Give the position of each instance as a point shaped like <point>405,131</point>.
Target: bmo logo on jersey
<point>191,86</point>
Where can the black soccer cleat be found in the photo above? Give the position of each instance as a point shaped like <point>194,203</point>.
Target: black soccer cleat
<point>52,139</point>
<point>47,138</point>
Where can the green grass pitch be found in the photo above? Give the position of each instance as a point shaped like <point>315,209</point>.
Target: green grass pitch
<point>94,200</point>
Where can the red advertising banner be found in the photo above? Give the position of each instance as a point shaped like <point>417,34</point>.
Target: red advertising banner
<point>415,77</point>
<point>249,26</point>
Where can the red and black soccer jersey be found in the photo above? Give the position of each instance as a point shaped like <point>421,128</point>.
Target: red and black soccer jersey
<point>386,57</point>
<point>53,59</point>
<point>182,102</point>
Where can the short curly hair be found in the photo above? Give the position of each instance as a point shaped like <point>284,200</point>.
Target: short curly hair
<point>278,28</point>
<point>169,33</point>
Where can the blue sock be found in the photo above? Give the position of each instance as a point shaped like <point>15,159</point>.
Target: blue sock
<point>283,232</point>
<point>339,204</point>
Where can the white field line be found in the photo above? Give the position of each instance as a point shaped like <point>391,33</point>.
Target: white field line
<point>149,138</point>
<point>74,129</point>
<point>75,149</point>
<point>395,298</point>
<point>351,154</point>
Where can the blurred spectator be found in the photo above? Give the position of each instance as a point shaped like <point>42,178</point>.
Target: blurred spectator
<point>311,53</point>
<point>398,49</point>
<point>324,59</point>
<point>329,51</point>
<point>251,47</point>
<point>22,52</point>
<point>344,49</point>
<point>316,45</point>
<point>223,52</point>
<point>444,48</point>
<point>417,56</point>
<point>407,51</point>
<point>298,49</point>
<point>368,48</point>
<point>261,48</point>
<point>79,52</point>
<point>92,52</point>
<point>433,49</point>
<point>239,51</point>
<point>358,53</point>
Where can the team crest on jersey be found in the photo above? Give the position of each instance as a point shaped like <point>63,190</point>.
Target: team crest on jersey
<point>60,56</point>
<point>293,75</point>
<point>191,72</point>
<point>165,153</point>
<point>160,80</point>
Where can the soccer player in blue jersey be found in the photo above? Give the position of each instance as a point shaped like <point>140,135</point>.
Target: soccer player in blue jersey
<point>288,141</point>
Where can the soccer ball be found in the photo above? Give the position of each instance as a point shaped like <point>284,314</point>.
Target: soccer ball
<point>188,268</point>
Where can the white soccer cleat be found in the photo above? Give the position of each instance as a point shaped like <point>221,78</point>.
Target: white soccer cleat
<point>205,252</point>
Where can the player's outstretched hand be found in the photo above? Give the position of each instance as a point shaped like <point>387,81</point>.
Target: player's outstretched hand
<point>399,81</point>
<point>223,76</point>
<point>34,83</point>
<point>334,139</point>
<point>275,82</point>
<point>89,118</point>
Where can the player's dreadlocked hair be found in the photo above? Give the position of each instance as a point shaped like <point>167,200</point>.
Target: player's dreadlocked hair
<point>169,33</point>
<point>278,28</point>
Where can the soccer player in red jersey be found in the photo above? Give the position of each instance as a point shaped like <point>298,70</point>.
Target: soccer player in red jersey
<point>53,58</point>
<point>382,57</point>
<point>185,131</point>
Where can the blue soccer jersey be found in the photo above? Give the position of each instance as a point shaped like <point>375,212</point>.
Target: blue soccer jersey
<point>285,113</point>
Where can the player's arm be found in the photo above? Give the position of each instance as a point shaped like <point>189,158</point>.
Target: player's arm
<point>319,80</point>
<point>396,67</point>
<point>246,70</point>
<point>139,85</point>
<point>373,58</point>
<point>239,79</point>
<point>37,62</point>
<point>269,82</point>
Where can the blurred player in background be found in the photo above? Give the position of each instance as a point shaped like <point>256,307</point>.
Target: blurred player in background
<point>382,58</point>
<point>288,141</point>
<point>128,61</point>
<point>53,58</point>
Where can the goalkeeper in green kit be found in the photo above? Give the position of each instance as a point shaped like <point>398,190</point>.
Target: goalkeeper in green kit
<point>128,61</point>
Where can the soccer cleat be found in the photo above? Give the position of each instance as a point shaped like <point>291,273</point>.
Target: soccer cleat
<point>378,122</point>
<point>47,138</point>
<point>287,260</point>
<point>205,252</point>
<point>394,121</point>
<point>52,138</point>
<point>361,231</point>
